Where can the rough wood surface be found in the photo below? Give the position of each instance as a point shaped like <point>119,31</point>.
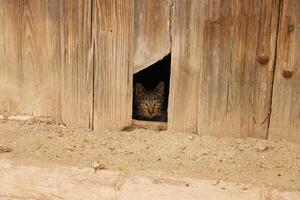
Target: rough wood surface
<point>77,66</point>
<point>187,28</point>
<point>113,22</point>
<point>75,60</point>
<point>285,118</point>
<point>151,32</point>
<point>10,71</point>
<point>32,61</point>
<point>40,57</point>
<point>218,84</point>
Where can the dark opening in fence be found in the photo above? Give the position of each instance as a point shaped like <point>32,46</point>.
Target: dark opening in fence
<point>151,79</point>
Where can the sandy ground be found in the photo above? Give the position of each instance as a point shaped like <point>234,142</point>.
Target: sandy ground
<point>56,183</point>
<point>257,162</point>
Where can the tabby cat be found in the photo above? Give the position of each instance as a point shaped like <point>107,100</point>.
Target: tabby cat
<point>149,104</point>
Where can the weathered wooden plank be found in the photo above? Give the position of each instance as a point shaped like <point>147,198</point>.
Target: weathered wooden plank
<point>218,87</point>
<point>285,118</point>
<point>77,66</point>
<point>113,22</point>
<point>35,81</point>
<point>40,58</point>
<point>10,80</point>
<point>151,32</point>
<point>239,102</point>
<point>187,25</point>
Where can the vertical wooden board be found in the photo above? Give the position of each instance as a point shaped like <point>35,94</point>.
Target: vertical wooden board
<point>32,61</point>
<point>40,58</point>
<point>264,69</point>
<point>10,81</point>
<point>285,118</point>
<point>187,25</point>
<point>113,34</point>
<point>217,85</point>
<point>77,66</point>
<point>35,80</point>
<point>151,32</point>
<point>235,87</point>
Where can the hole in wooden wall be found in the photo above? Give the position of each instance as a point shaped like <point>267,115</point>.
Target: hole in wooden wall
<point>151,92</point>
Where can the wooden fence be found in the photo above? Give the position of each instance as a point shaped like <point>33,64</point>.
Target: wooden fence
<point>235,63</point>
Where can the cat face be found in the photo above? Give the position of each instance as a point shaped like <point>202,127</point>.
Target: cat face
<point>149,104</point>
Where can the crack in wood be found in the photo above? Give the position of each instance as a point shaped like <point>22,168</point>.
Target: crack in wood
<point>279,10</point>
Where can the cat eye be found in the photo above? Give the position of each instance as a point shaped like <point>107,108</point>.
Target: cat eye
<point>144,104</point>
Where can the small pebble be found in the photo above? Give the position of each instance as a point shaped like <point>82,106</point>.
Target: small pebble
<point>244,188</point>
<point>259,146</point>
<point>50,136</point>
<point>60,134</point>
<point>97,166</point>
<point>63,126</point>
<point>111,148</point>
<point>70,148</point>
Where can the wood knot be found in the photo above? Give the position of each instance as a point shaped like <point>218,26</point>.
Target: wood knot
<point>291,28</point>
<point>263,59</point>
<point>287,74</point>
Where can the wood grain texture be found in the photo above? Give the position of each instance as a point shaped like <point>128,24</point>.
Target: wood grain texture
<point>113,22</point>
<point>187,26</point>
<point>285,118</point>
<point>10,70</point>
<point>218,87</point>
<point>151,32</point>
<point>77,66</point>
<point>40,58</point>
<point>34,84</point>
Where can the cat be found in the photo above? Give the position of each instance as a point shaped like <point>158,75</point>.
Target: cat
<point>149,105</point>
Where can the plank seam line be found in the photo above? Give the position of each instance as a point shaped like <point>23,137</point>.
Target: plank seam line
<point>92,123</point>
<point>172,5</point>
<point>280,7</point>
<point>170,23</point>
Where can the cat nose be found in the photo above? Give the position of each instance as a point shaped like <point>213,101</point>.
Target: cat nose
<point>151,111</point>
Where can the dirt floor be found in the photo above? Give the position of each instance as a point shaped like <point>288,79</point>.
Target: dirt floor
<point>258,162</point>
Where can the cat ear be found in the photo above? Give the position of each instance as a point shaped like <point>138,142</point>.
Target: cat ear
<point>139,88</point>
<point>160,88</point>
